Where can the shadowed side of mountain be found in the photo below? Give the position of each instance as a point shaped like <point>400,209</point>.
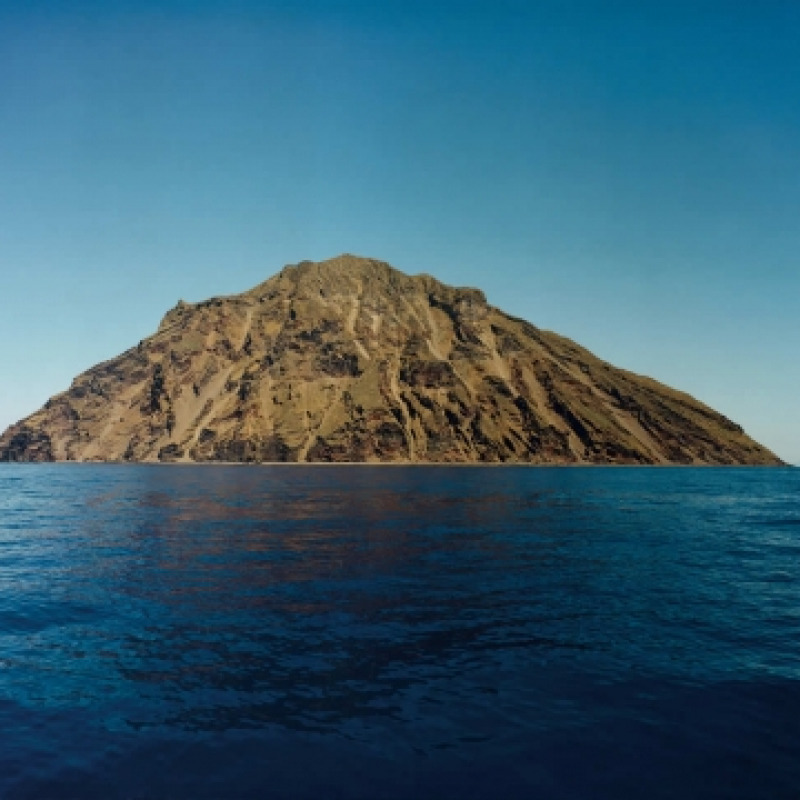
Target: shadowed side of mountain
<point>351,360</point>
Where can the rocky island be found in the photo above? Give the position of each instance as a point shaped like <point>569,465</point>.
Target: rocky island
<point>350,360</point>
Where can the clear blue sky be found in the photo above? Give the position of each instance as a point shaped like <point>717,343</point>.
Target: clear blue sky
<point>625,173</point>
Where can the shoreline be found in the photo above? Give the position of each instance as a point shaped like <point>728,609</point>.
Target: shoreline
<point>435,464</point>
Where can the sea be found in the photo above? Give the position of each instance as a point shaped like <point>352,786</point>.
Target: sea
<point>399,632</point>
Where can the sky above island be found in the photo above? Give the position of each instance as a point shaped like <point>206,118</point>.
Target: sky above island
<point>624,173</point>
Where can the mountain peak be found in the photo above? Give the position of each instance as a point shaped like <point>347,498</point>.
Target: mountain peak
<point>347,273</point>
<point>349,359</point>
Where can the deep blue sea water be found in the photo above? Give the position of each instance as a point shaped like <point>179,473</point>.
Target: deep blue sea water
<point>420,632</point>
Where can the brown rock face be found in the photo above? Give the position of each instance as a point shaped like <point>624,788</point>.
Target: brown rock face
<point>351,360</point>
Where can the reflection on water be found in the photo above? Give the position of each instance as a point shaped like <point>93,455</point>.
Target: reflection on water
<point>440,631</point>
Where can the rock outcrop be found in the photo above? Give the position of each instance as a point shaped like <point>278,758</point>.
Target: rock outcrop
<point>352,360</point>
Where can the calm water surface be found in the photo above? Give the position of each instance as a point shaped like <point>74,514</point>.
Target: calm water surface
<point>243,632</point>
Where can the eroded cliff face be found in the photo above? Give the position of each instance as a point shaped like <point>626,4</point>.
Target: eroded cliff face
<point>352,360</point>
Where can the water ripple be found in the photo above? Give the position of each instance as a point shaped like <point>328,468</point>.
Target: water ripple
<point>193,632</point>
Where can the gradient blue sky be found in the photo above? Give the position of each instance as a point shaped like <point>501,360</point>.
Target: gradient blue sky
<point>625,173</point>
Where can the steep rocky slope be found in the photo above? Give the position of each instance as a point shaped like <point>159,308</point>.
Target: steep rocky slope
<point>351,360</point>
